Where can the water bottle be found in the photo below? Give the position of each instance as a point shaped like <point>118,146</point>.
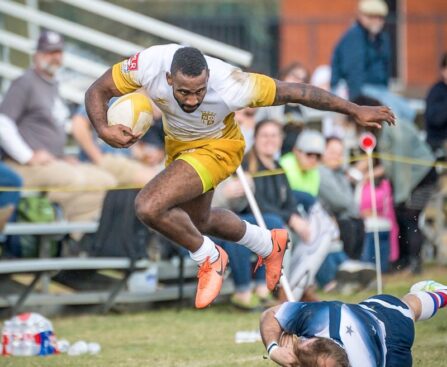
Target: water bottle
<point>247,337</point>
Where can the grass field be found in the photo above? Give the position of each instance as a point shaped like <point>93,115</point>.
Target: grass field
<point>192,338</point>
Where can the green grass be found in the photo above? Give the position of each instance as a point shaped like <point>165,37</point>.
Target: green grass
<point>192,338</point>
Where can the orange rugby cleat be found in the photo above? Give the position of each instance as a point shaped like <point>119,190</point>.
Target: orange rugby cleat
<point>273,262</point>
<point>211,276</point>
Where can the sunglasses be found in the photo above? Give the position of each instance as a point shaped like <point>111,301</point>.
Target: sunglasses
<point>315,155</point>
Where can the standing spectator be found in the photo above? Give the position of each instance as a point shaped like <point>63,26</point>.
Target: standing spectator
<point>413,183</point>
<point>301,166</point>
<point>120,163</point>
<point>33,116</point>
<point>436,111</point>
<point>362,59</point>
<point>337,196</point>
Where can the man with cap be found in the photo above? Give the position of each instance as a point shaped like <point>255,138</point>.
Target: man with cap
<point>32,134</point>
<point>362,59</point>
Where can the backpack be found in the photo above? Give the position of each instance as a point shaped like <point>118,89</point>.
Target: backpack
<point>35,209</point>
<point>120,232</point>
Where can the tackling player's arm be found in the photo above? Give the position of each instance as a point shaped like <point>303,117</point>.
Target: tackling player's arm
<point>96,100</point>
<point>318,98</point>
<point>271,333</point>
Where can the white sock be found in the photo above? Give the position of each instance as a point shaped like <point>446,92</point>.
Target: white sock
<point>430,303</point>
<point>208,249</point>
<point>257,239</point>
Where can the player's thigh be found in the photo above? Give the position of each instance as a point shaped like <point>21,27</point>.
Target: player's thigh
<point>177,184</point>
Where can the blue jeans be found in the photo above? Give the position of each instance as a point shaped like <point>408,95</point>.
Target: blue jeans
<point>369,254</point>
<point>398,104</point>
<point>9,178</point>
<point>329,268</point>
<point>241,257</point>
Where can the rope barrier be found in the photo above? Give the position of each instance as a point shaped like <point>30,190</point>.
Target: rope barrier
<point>264,173</point>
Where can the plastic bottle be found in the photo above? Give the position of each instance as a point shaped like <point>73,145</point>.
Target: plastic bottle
<point>247,337</point>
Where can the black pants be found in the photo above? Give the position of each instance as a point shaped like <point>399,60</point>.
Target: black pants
<point>407,215</point>
<point>352,234</point>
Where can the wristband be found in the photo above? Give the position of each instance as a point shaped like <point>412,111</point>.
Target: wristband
<point>271,347</point>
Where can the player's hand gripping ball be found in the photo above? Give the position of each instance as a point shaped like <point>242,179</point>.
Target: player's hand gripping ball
<point>133,110</point>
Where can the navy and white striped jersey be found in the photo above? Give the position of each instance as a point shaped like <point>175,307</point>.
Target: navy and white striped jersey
<point>377,332</point>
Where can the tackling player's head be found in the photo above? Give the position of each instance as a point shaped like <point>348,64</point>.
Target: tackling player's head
<point>188,78</point>
<point>321,352</point>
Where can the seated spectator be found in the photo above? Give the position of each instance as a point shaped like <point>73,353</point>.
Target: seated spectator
<point>8,203</point>
<point>436,112</point>
<point>120,163</point>
<point>362,58</point>
<point>301,165</point>
<point>413,183</point>
<point>246,120</point>
<point>33,115</point>
<point>291,115</point>
<point>337,196</point>
<point>385,223</point>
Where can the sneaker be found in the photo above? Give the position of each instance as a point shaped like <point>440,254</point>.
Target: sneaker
<point>273,262</point>
<point>211,277</point>
<point>253,304</point>
<point>428,286</point>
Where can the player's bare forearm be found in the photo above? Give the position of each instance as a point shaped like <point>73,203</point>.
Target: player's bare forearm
<point>269,326</point>
<point>96,99</point>
<point>320,99</point>
<point>311,96</point>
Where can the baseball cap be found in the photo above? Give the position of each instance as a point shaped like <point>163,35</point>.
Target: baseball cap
<point>311,141</point>
<point>373,7</point>
<point>50,41</point>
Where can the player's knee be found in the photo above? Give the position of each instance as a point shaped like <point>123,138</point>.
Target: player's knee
<point>146,210</point>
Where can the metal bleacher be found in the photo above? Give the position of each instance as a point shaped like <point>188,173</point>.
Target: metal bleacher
<point>37,290</point>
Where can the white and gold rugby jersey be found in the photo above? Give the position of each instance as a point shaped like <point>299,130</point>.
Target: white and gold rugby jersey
<point>229,89</point>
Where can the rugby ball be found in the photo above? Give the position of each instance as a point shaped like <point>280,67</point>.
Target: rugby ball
<point>133,110</point>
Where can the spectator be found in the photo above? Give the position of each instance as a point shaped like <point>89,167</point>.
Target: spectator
<point>120,163</point>
<point>362,59</point>
<point>246,120</point>
<point>292,115</point>
<point>436,112</point>
<point>332,123</point>
<point>301,166</point>
<point>413,183</point>
<point>8,204</point>
<point>385,222</point>
<point>32,115</point>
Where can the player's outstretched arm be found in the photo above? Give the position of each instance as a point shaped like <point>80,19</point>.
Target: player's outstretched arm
<point>96,100</point>
<point>318,98</point>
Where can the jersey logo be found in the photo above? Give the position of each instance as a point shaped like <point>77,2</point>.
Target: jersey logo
<point>161,101</point>
<point>132,62</point>
<point>208,118</point>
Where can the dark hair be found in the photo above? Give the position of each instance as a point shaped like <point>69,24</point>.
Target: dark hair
<point>444,61</point>
<point>292,66</point>
<point>321,348</point>
<point>189,61</point>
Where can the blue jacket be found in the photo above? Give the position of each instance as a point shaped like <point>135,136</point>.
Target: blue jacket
<point>360,60</point>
